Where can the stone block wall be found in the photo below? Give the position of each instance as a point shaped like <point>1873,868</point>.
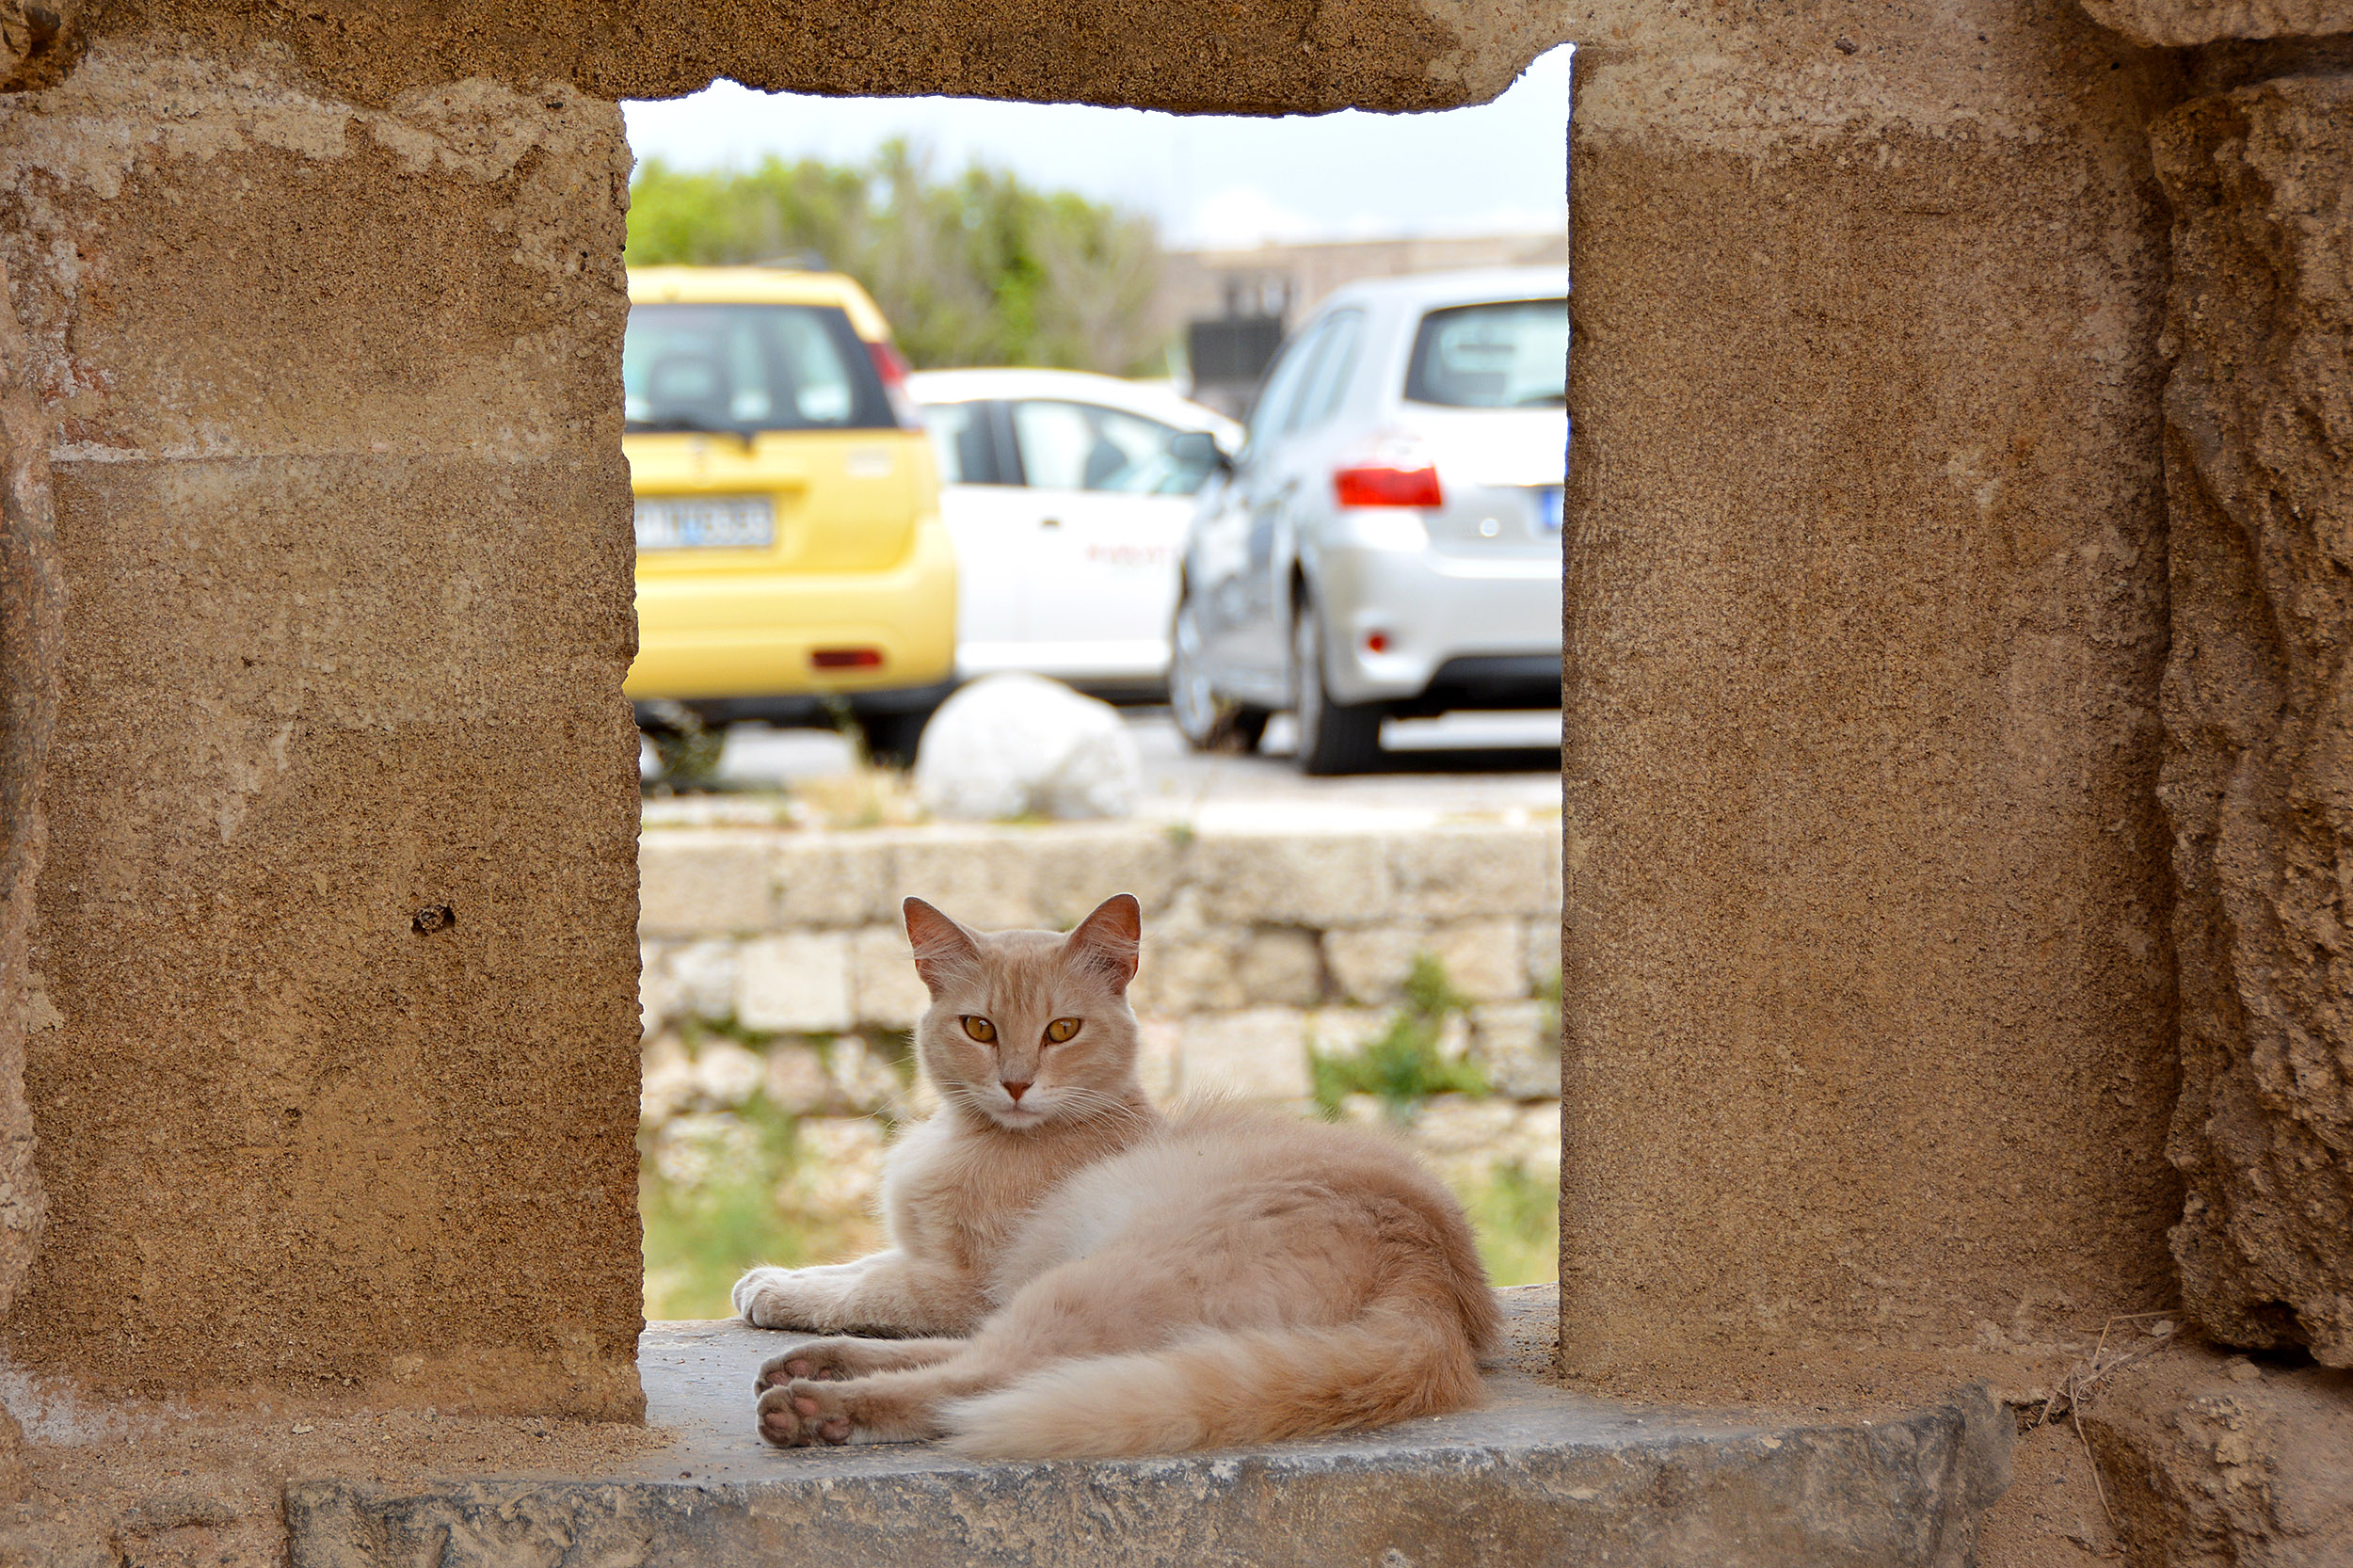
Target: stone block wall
<point>1257,945</point>
<point>2258,703</point>
<point>343,524</point>
<point>1869,992</point>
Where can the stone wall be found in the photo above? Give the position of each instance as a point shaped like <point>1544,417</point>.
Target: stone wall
<point>333,1053</point>
<point>1257,945</point>
<point>2259,704</point>
<point>1869,994</point>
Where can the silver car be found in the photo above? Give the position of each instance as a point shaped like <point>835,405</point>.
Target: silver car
<point>1388,542</point>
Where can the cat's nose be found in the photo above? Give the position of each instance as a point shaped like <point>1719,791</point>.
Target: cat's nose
<point>1016,1090</point>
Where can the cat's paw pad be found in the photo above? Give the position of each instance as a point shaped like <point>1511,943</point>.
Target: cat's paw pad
<point>802,1415</point>
<point>818,1360</point>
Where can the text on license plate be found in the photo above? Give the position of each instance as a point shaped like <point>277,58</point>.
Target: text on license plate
<point>705,522</point>
<point>1547,500</point>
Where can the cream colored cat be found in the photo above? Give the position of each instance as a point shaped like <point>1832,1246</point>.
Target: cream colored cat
<point>1128,1284</point>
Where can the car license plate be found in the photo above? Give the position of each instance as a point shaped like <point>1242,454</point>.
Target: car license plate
<point>1547,499</point>
<point>705,522</point>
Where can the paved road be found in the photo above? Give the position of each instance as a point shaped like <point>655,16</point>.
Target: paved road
<point>1465,763</point>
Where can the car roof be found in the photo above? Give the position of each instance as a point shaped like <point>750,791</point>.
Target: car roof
<point>1147,398</point>
<point>1472,287</point>
<point>757,285</point>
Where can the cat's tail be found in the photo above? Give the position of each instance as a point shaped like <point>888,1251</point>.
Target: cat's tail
<point>1216,1390</point>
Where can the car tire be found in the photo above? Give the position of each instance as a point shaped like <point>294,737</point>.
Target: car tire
<point>1207,721</point>
<point>890,740</point>
<point>1333,737</point>
<point>687,750</point>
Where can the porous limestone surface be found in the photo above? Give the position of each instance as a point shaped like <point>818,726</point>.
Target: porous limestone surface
<point>1868,993</point>
<point>1538,1476</point>
<point>2258,707</point>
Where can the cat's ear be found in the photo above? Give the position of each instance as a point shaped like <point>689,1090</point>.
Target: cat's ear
<point>944,951</point>
<point>1106,941</point>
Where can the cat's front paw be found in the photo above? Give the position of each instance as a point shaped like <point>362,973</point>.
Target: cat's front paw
<point>785,1298</point>
<point>800,1415</point>
<point>828,1360</point>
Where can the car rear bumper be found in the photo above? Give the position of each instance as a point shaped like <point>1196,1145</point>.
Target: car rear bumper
<point>755,637</point>
<point>1459,632</point>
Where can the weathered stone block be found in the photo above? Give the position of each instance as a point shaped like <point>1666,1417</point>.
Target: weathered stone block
<point>826,879</point>
<point>1865,617</point>
<point>713,882</point>
<point>1188,973</point>
<point>1484,960</point>
<point>981,876</point>
<point>1536,1476</point>
<point>1469,873</point>
<point>2258,706</point>
<point>1517,1044</point>
<point>347,541</point>
<point>1258,1054</point>
<point>1369,964</point>
<point>796,1082</point>
<point>1336,1031</point>
<point>1291,879</point>
<point>884,990</point>
<point>1073,869</point>
<point>798,982</point>
<point>1279,967</point>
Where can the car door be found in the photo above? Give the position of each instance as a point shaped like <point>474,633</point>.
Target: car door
<point>992,524</point>
<point>1103,560</point>
<point>1295,471</point>
<point>1243,644</point>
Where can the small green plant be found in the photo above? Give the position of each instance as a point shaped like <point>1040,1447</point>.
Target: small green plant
<point>1516,1214</point>
<point>1404,1063</point>
<point>1180,834</point>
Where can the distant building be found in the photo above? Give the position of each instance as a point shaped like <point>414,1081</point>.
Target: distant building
<point>1233,307</point>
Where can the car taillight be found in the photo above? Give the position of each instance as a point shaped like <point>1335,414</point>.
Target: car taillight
<point>1381,484</point>
<point>846,658</point>
<point>892,372</point>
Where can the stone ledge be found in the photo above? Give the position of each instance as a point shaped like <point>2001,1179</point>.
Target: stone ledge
<point>1538,1476</point>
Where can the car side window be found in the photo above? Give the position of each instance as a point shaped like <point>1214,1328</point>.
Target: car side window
<point>962,443</point>
<point>1282,387</point>
<point>1327,381</point>
<point>1085,446</point>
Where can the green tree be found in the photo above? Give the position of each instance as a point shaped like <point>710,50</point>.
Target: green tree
<point>975,271</point>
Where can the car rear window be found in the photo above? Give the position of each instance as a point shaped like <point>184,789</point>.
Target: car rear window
<point>749,367</point>
<point>1512,355</point>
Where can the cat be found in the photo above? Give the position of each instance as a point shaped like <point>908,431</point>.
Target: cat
<point>1074,1274</point>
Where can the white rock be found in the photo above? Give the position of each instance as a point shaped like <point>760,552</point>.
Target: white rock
<point>863,1080</point>
<point>798,983</point>
<point>1016,745</point>
<point>666,1080</point>
<point>798,1085</point>
<point>727,1074</point>
<point>1259,1055</point>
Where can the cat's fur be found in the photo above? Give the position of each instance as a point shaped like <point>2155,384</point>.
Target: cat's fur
<point>1129,1283</point>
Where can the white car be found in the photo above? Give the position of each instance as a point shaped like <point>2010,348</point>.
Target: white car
<point>1388,542</point>
<point>1067,510</point>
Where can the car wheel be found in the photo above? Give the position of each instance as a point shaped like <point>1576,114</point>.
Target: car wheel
<point>687,749</point>
<point>1333,737</point>
<point>1207,721</point>
<point>891,739</point>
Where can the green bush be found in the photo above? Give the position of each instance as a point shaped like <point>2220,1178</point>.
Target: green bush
<point>1403,1065</point>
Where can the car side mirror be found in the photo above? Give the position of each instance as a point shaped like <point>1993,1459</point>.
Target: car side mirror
<point>1199,449</point>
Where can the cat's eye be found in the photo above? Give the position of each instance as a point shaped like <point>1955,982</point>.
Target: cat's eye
<point>980,1027</point>
<point>1061,1029</point>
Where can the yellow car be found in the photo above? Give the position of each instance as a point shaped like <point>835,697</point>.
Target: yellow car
<point>791,566</point>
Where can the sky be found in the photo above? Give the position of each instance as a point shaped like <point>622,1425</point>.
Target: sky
<point>1211,180</point>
